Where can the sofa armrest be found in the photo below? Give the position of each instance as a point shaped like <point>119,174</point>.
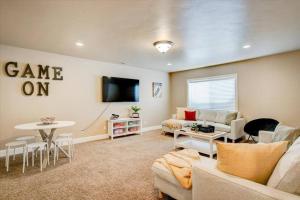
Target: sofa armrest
<point>237,128</point>
<point>211,184</point>
<point>265,136</point>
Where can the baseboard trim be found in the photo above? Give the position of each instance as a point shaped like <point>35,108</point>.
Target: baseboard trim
<point>76,141</point>
<point>151,128</point>
<point>90,138</point>
<point>84,139</point>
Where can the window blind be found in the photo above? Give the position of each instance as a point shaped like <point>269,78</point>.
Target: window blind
<point>216,93</point>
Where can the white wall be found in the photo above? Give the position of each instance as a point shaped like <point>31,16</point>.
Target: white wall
<point>77,97</point>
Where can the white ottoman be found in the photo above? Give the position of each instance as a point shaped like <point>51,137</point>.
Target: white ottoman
<point>166,183</point>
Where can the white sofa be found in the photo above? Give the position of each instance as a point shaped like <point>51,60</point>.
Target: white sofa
<point>211,184</point>
<point>227,121</point>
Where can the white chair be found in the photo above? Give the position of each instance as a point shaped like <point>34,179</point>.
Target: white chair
<point>39,146</point>
<point>62,140</point>
<point>13,146</point>
<point>28,139</point>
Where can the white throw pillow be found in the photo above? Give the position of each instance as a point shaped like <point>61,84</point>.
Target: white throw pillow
<point>221,117</point>
<point>209,115</point>
<point>180,114</point>
<point>283,132</point>
<point>225,117</point>
<point>286,175</point>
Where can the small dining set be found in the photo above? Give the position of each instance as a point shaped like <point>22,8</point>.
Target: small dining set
<point>42,145</point>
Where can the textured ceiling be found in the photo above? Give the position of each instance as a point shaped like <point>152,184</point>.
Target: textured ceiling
<point>122,31</point>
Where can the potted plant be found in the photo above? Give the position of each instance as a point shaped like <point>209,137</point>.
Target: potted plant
<point>135,113</point>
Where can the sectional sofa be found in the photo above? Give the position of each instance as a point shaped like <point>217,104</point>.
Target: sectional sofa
<point>209,183</point>
<point>228,121</point>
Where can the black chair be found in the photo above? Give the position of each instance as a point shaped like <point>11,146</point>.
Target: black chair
<point>263,124</point>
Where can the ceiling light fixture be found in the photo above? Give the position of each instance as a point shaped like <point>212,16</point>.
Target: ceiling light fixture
<point>163,46</point>
<point>169,64</point>
<point>79,44</point>
<point>247,46</point>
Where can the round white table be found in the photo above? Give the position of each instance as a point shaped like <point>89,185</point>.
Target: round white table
<point>47,137</point>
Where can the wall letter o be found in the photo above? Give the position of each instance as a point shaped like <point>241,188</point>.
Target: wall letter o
<point>31,86</point>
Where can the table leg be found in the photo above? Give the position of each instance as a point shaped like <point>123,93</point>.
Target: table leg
<point>211,153</point>
<point>48,139</point>
<point>60,148</point>
<point>43,135</point>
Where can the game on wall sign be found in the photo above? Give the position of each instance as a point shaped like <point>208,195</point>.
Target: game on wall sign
<point>43,72</point>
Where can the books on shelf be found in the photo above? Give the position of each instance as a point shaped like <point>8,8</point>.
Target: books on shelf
<point>119,131</point>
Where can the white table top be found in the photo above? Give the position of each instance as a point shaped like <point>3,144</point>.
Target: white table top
<point>40,126</point>
<point>201,135</point>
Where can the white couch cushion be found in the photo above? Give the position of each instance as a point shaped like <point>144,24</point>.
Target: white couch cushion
<point>221,117</point>
<point>208,115</point>
<point>225,117</point>
<point>286,175</point>
<point>207,123</point>
<point>206,162</point>
<point>222,127</point>
<point>164,173</point>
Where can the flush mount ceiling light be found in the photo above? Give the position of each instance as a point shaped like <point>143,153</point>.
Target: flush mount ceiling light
<point>169,64</point>
<point>247,46</point>
<point>163,46</point>
<point>79,44</point>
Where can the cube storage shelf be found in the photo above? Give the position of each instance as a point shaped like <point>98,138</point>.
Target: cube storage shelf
<point>124,126</point>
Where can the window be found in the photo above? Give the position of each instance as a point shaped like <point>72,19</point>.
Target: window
<point>216,93</point>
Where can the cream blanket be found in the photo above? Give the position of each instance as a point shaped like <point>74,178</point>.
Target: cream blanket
<point>180,165</point>
<point>173,123</point>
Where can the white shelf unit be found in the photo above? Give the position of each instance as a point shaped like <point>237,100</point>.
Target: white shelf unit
<point>124,126</point>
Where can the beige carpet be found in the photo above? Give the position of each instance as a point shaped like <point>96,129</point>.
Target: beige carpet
<point>118,169</point>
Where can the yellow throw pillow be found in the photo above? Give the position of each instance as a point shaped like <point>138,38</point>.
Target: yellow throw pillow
<point>254,162</point>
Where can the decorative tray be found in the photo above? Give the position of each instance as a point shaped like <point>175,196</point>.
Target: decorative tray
<point>206,129</point>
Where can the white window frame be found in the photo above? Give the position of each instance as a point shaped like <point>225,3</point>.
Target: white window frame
<point>235,76</point>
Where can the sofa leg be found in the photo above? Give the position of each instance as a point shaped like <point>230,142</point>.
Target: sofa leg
<point>160,195</point>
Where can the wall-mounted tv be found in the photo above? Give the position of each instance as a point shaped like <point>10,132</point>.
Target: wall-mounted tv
<point>120,89</point>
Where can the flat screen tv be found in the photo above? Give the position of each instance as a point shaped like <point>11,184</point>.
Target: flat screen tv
<point>120,89</point>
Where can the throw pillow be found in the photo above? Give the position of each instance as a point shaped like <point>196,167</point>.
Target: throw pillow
<point>254,162</point>
<point>286,133</point>
<point>180,113</point>
<point>286,175</point>
<point>208,115</point>
<point>230,117</point>
<point>221,117</point>
<point>190,115</point>
<point>225,117</point>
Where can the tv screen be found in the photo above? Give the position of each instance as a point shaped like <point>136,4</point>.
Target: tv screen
<point>120,89</point>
